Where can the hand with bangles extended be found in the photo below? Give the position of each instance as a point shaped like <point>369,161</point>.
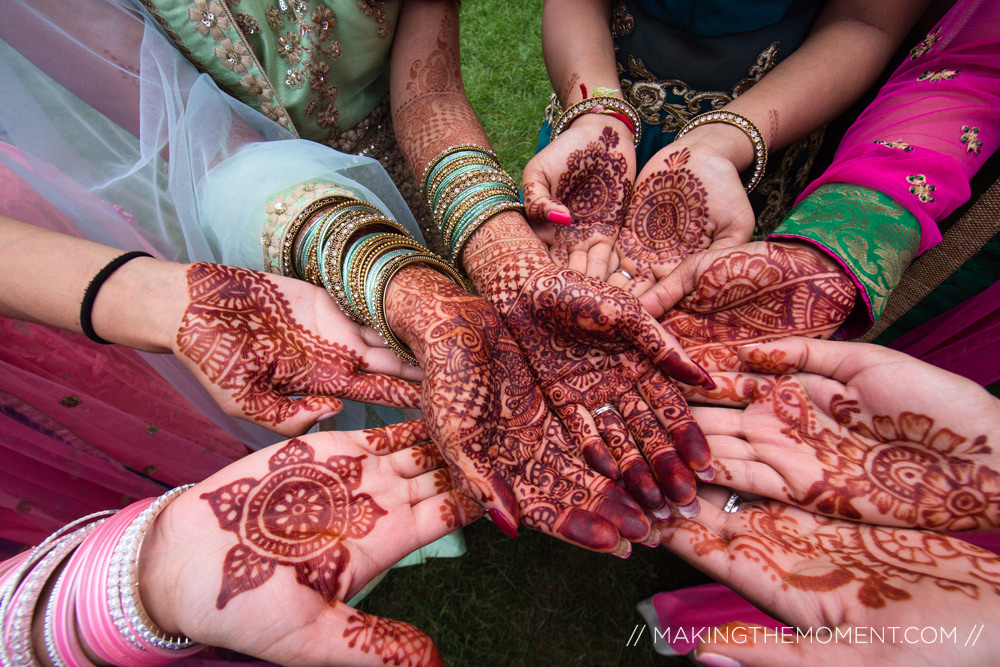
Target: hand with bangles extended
<point>601,361</point>
<point>483,408</point>
<point>254,340</point>
<point>857,587</point>
<point>687,199</point>
<point>717,301</point>
<point>576,190</point>
<point>261,557</point>
<point>858,432</point>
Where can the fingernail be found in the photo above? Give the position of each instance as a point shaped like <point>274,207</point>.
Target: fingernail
<point>502,523</point>
<point>653,540</point>
<point>707,382</point>
<point>706,475</point>
<point>326,416</point>
<point>559,218</point>
<point>664,513</point>
<point>689,511</point>
<point>623,550</point>
<point>715,660</point>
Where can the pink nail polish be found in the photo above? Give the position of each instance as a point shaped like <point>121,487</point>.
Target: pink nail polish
<point>502,523</point>
<point>715,660</point>
<point>559,218</point>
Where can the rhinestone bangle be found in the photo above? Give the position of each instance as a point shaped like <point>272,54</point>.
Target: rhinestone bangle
<point>597,104</point>
<point>748,127</point>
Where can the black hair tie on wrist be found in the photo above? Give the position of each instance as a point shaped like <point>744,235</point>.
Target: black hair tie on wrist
<point>95,286</point>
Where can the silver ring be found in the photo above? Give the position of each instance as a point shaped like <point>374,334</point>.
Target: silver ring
<point>733,504</point>
<point>624,273</point>
<point>601,410</point>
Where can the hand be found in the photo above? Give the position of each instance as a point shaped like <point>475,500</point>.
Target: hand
<point>687,199</point>
<point>260,557</point>
<point>591,345</point>
<point>857,580</point>
<point>255,340</point>
<point>754,293</point>
<point>860,432</point>
<point>583,179</point>
<point>489,418</point>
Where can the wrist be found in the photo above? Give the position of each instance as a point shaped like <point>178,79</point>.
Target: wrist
<point>722,139</point>
<point>154,572</point>
<point>501,255</point>
<point>141,304</point>
<point>412,298</point>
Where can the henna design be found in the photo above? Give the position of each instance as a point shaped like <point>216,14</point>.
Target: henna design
<point>908,469</point>
<point>773,122</point>
<point>394,437</point>
<point>299,514</point>
<point>596,188</point>
<point>758,295</point>
<point>240,332</point>
<point>459,510</point>
<point>397,643</point>
<point>772,362</point>
<point>667,219</point>
<point>882,563</point>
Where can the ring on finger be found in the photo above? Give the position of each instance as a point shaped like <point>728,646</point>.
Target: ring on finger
<point>733,504</point>
<point>601,410</point>
<point>624,273</point>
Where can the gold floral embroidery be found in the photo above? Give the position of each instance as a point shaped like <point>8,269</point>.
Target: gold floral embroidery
<point>926,44</point>
<point>939,75</point>
<point>374,8</point>
<point>233,56</point>
<point>622,22</point>
<point>969,138</point>
<point>247,24</point>
<point>209,17</point>
<point>649,95</point>
<point>921,188</point>
<point>898,144</point>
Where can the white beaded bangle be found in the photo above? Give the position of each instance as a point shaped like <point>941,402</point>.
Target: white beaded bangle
<point>745,124</point>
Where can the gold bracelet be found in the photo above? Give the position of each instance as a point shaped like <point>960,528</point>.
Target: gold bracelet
<point>467,180</point>
<point>448,226</point>
<point>595,103</point>
<point>465,161</point>
<point>748,127</point>
<point>479,221</point>
<point>364,260</point>
<point>332,264</point>
<point>288,237</point>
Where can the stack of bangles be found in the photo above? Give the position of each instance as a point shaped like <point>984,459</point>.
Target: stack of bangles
<point>465,186</point>
<point>352,249</point>
<point>91,565</point>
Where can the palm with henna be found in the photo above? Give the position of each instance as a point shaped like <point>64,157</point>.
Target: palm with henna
<point>717,301</point>
<point>261,556</point>
<point>859,432</point>
<point>483,408</point>
<point>868,583</point>
<point>256,341</point>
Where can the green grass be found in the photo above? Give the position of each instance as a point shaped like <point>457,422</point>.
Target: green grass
<point>533,601</point>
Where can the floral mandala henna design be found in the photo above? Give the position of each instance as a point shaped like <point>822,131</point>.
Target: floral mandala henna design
<point>299,514</point>
<point>919,475</point>
<point>240,332</point>
<point>596,188</point>
<point>668,218</point>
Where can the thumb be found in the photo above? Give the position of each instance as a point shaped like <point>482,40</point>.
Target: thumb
<point>291,417</point>
<point>745,644</point>
<point>671,288</point>
<point>373,640</point>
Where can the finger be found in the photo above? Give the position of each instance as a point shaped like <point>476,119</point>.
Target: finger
<point>394,437</point>
<point>382,390</point>
<point>756,478</point>
<point>636,475</point>
<point>361,639</point>
<point>673,413</point>
<point>417,460</point>
<point>719,421</point>
<point>669,290</point>
<point>674,477</point>
<point>578,260</point>
<point>599,260</point>
<point>839,360</point>
<point>731,389</point>
<point>640,285</point>
<point>666,353</point>
<point>742,643</point>
<point>286,416</point>
<point>428,485</point>
<point>581,430</point>
<point>444,513</point>
<point>380,358</point>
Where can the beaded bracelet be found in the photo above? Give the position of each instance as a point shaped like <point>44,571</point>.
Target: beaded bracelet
<point>748,127</point>
<point>599,104</point>
<point>442,158</point>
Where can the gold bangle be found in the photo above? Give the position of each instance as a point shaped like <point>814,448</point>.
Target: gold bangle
<point>594,103</point>
<point>748,127</point>
<point>364,260</point>
<point>331,269</point>
<point>468,160</point>
<point>448,195</point>
<point>288,237</point>
<point>449,151</point>
<point>448,226</point>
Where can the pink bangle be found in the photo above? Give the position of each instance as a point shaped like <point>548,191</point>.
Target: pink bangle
<point>61,638</point>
